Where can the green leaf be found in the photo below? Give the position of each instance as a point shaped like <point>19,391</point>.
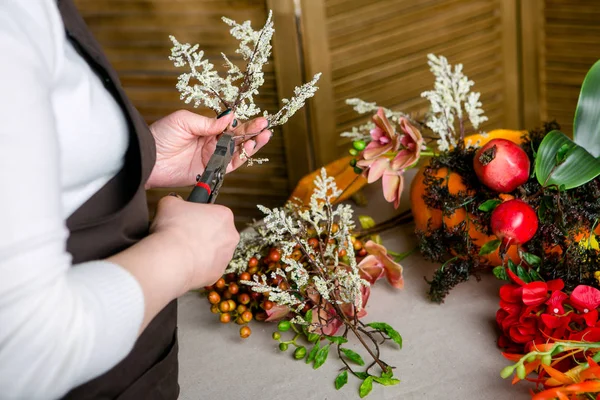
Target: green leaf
<point>366,387</point>
<point>341,379</point>
<point>308,316</point>
<point>352,356</point>
<point>386,381</point>
<point>531,259</point>
<point>522,274</point>
<point>586,125</point>
<point>321,356</point>
<point>366,222</point>
<point>500,273</point>
<point>535,276</point>
<point>512,266</point>
<point>361,375</point>
<point>391,332</point>
<point>336,339</point>
<point>388,373</point>
<point>313,353</point>
<point>561,153</point>
<point>489,205</point>
<point>577,168</point>
<point>489,247</point>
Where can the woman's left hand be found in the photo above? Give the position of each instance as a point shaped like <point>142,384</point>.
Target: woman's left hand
<point>185,141</point>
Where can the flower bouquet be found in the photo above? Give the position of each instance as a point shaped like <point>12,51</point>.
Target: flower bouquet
<point>524,205</point>
<point>304,266</point>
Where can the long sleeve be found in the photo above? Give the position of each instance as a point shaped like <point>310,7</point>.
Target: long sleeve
<point>59,325</point>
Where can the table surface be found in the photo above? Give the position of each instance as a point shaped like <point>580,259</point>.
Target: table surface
<point>449,350</point>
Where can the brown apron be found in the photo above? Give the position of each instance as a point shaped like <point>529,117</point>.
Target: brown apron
<point>111,220</point>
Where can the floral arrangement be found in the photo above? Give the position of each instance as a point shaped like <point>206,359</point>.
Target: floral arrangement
<point>304,268</point>
<point>525,205</point>
<point>204,86</point>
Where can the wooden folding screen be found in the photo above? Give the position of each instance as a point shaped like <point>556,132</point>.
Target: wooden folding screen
<point>527,58</point>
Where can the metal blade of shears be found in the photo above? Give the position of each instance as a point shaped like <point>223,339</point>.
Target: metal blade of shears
<point>208,184</point>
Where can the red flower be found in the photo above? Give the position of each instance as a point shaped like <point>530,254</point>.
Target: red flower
<point>555,302</point>
<point>586,299</point>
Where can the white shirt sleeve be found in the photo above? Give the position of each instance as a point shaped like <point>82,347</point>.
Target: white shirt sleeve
<point>60,325</point>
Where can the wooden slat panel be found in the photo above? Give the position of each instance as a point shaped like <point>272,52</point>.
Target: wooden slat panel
<point>378,49</point>
<point>571,45</point>
<point>134,34</point>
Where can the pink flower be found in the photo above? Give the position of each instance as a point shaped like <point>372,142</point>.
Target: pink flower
<point>277,312</point>
<point>410,146</point>
<point>377,161</point>
<point>378,263</point>
<point>383,137</point>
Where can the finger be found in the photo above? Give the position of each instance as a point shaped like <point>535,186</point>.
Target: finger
<point>253,126</point>
<point>200,125</point>
<point>262,140</point>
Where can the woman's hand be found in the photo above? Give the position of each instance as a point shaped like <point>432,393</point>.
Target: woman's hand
<point>185,141</point>
<point>189,247</point>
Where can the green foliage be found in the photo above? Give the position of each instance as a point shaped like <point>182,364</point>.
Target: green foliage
<point>560,162</point>
<point>353,356</point>
<point>341,379</point>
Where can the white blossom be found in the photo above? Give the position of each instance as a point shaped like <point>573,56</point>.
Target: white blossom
<point>203,86</point>
<point>286,228</point>
<point>251,161</point>
<point>450,99</point>
<point>291,106</point>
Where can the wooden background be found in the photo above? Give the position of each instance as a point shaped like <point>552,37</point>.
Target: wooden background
<point>527,58</point>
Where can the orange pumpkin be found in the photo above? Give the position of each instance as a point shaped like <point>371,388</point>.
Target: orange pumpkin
<point>429,219</point>
<point>343,173</point>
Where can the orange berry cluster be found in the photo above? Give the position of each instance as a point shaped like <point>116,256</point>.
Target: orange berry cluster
<point>234,301</point>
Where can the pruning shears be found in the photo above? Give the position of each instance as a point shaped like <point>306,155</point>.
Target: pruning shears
<point>208,184</point>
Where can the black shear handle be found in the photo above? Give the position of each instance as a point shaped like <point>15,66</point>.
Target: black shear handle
<point>202,191</point>
<point>199,194</point>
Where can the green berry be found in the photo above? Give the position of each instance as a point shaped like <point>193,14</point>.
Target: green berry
<point>557,349</point>
<point>276,335</point>
<point>353,152</point>
<point>521,373</point>
<point>313,337</point>
<point>353,162</point>
<point>358,170</point>
<point>300,353</point>
<point>546,359</point>
<point>359,145</point>
<point>283,346</point>
<point>507,371</point>
<point>284,326</point>
<point>531,358</point>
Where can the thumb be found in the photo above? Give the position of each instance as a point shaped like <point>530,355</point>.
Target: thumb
<point>200,125</point>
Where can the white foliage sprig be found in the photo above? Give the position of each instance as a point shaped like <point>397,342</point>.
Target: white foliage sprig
<point>287,229</point>
<point>450,100</point>
<point>203,86</point>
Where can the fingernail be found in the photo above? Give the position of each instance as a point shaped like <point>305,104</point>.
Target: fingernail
<point>253,144</point>
<point>234,123</point>
<point>224,113</point>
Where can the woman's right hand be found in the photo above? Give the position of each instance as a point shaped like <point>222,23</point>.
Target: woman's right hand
<point>204,232</point>
<point>189,247</point>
